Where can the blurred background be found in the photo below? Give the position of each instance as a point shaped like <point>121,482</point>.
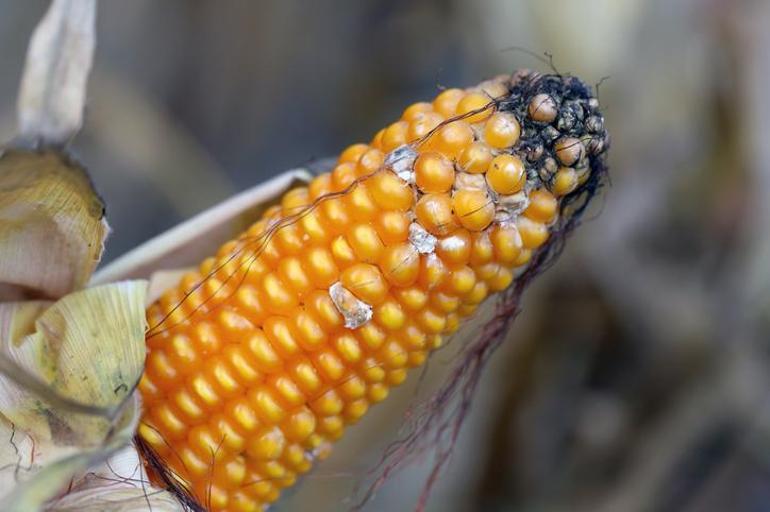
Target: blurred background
<point>638,376</point>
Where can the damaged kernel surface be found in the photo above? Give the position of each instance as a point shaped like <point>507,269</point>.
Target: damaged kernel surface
<point>262,358</point>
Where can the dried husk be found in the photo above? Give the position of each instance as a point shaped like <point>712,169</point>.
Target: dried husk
<point>52,226</point>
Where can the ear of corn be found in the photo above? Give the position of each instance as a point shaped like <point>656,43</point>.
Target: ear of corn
<point>264,355</point>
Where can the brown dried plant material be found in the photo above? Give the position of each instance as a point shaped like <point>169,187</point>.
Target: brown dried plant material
<point>52,225</point>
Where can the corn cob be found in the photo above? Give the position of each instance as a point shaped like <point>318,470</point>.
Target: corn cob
<point>262,357</point>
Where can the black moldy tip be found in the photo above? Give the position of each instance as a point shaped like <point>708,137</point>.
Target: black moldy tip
<point>552,109</point>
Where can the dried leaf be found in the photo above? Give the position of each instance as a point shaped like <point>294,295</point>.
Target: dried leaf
<point>87,347</point>
<point>56,467</point>
<point>53,87</point>
<point>190,242</point>
<point>52,225</point>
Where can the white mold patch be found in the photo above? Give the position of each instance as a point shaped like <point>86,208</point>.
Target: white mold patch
<point>355,311</point>
<point>424,242</point>
<point>401,161</point>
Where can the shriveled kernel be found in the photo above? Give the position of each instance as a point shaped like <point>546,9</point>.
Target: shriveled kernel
<point>434,213</point>
<point>476,158</point>
<point>542,108</point>
<point>569,150</point>
<point>506,174</point>
<point>473,208</point>
<point>502,130</point>
<point>434,173</point>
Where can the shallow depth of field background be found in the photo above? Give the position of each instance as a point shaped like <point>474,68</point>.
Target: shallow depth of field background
<point>638,376</point>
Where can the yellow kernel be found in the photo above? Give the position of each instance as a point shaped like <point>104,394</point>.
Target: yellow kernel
<point>412,111</point>
<point>359,201</point>
<point>327,404</point>
<point>347,346</point>
<point>153,437</point>
<point>524,257</point>
<point>224,430</point>
<point>365,282</point>
<point>301,424</point>
<point>478,293</point>
<point>268,445</point>
<point>355,410</point>
<point>476,158</point>
<point>431,321</point>
<point>412,298</point>
<point>343,175</point>
<point>330,365</point>
<point>455,250</point>
<point>473,208</point>
<point>292,273</point>
<point>366,243</point>
<point>450,139</point>
<point>434,173</point>
<point>280,332</point>
<point>422,125</point>
<point>432,271</point>
<point>475,101</point>
<point>187,405</point>
<point>311,335</point>
<point>501,280</point>
<point>394,136</point>
<point>265,356</point>
<point>502,130</point>
<point>287,389</point>
<point>444,302</point>
<point>400,264</point>
<point>506,174</point>
<point>343,252</point>
<point>194,464</point>
<point>231,473</point>
<point>434,213</point>
<point>306,376</point>
<point>542,206</point>
<point>372,336</point>
<point>335,214</point>
<point>321,306</point>
<point>392,226</point>
<point>507,243</point>
<point>481,248</point>
<point>370,163</point>
<point>353,153</point>
<point>564,181</point>
<point>203,442</point>
<point>159,366</point>
<point>390,192</point>
<point>223,377</point>
<point>243,414</point>
<point>452,322</point>
<point>353,387</point>
<point>397,377</point>
<point>169,423</point>
<point>533,233</point>
<point>446,102</point>
<point>412,337</point>
<point>266,405</point>
<point>417,359</point>
<point>278,296</point>
<point>390,315</point>
<point>377,392</point>
<point>372,371</point>
<point>204,390</point>
<point>462,280</point>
